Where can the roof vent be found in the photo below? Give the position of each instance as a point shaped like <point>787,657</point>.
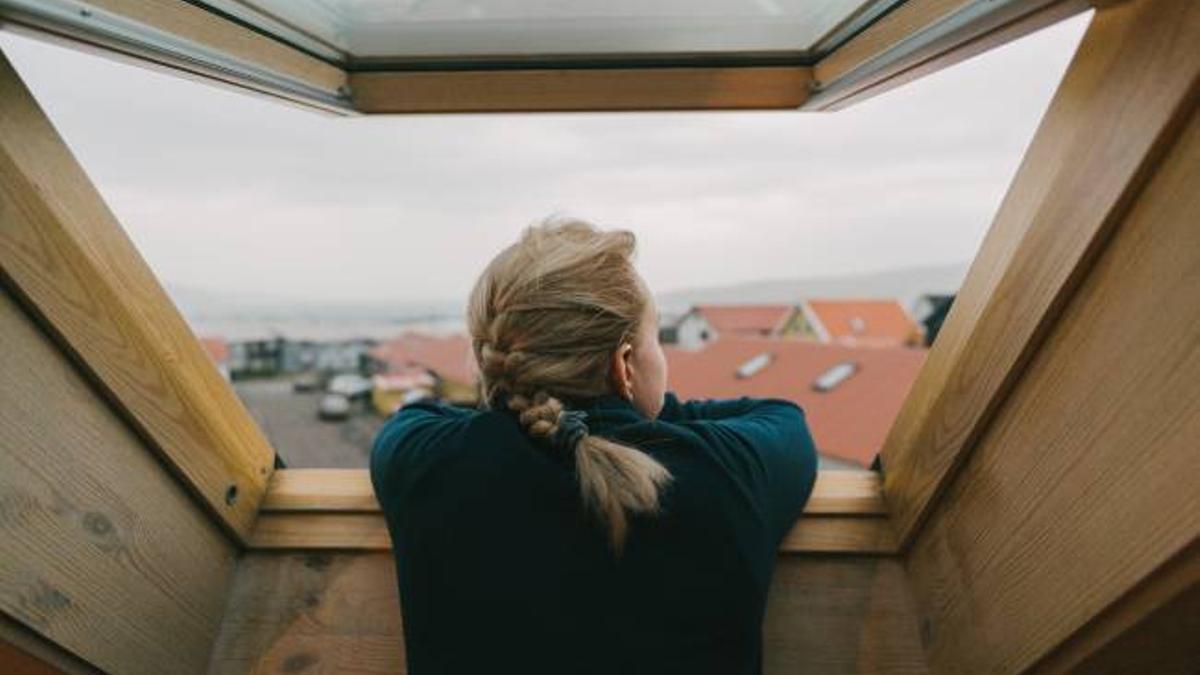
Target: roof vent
<point>754,365</point>
<point>857,325</point>
<point>830,379</point>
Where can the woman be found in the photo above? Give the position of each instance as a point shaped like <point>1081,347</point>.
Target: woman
<point>585,521</point>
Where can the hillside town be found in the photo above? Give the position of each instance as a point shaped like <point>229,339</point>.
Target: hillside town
<point>848,363</point>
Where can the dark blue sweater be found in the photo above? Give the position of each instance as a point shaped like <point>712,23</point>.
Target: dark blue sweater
<point>501,570</point>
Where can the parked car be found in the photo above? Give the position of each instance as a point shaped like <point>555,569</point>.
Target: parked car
<point>307,382</point>
<point>351,386</point>
<point>333,407</point>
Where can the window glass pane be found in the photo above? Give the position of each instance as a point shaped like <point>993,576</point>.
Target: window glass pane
<point>415,28</point>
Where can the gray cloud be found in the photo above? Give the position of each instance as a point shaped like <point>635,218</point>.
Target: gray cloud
<point>229,192</point>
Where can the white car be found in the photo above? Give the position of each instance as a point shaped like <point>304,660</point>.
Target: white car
<point>350,386</point>
<point>333,407</point>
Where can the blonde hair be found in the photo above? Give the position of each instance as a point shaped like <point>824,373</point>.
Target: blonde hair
<point>545,318</point>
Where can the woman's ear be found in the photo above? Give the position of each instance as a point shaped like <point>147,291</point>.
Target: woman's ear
<point>622,370</point>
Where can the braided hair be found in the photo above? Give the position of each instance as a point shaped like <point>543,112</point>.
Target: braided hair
<point>545,318</point>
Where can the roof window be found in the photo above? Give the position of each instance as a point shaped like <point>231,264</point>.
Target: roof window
<point>830,379</point>
<point>754,365</point>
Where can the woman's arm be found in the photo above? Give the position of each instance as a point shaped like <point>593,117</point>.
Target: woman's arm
<point>405,445</point>
<point>764,443</point>
<point>674,410</point>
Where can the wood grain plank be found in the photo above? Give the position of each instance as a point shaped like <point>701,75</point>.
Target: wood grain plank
<point>1084,487</point>
<point>817,534</point>
<point>336,509</point>
<point>313,612</point>
<point>324,490</point>
<point>323,612</point>
<point>101,551</point>
<point>841,615</point>
<point>581,89</point>
<point>1152,629</point>
<point>847,493</point>
<point>368,531</point>
<point>318,531</point>
<point>1122,101</point>
<point>320,490</point>
<point>66,256</point>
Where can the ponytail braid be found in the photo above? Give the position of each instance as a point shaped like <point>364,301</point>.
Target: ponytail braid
<point>545,318</point>
<point>614,479</point>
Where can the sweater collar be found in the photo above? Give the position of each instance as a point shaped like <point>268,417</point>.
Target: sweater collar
<point>608,411</point>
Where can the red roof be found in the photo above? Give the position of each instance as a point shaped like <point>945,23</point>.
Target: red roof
<point>850,422</point>
<point>448,356</point>
<point>866,322</point>
<point>745,319</point>
<point>409,378</point>
<point>217,349</point>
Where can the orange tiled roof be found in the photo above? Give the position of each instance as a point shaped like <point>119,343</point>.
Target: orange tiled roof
<point>217,348</point>
<point>849,422</point>
<point>745,319</point>
<point>449,356</point>
<point>408,378</point>
<point>866,322</point>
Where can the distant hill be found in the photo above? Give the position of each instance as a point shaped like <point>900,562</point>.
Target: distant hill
<point>246,315</point>
<point>198,303</point>
<point>905,284</point>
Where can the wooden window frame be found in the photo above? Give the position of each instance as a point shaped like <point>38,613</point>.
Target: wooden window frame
<point>1064,202</point>
<point>76,270</point>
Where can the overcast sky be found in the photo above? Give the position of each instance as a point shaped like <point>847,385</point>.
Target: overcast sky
<point>228,192</point>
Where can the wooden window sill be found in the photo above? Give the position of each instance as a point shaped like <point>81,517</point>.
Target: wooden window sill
<point>306,509</point>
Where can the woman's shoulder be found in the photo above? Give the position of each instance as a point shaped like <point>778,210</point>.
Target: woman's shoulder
<point>763,445</point>
<point>419,415</point>
<point>424,420</point>
<point>417,434</point>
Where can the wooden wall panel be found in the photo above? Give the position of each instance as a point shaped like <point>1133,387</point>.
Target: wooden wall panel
<point>101,550</point>
<point>69,259</point>
<point>312,612</point>
<point>1152,629</point>
<point>326,612</point>
<point>841,614</point>
<point>1085,485</point>
<point>1124,98</point>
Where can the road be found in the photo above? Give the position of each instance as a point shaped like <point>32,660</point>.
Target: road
<point>290,422</point>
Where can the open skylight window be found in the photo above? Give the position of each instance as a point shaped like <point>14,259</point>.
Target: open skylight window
<point>305,239</point>
<point>830,379</point>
